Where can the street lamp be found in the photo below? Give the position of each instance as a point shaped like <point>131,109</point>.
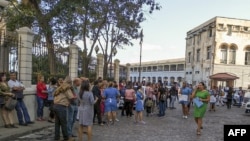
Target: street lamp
<point>141,40</point>
<point>113,53</point>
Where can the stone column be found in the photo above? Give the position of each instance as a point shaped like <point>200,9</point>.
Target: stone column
<point>73,61</point>
<point>25,55</point>
<point>99,66</point>
<point>128,71</point>
<point>117,70</point>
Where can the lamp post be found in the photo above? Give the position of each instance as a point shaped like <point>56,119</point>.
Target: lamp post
<point>141,40</point>
<point>113,53</point>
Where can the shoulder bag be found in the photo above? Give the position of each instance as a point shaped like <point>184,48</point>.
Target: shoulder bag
<point>11,103</point>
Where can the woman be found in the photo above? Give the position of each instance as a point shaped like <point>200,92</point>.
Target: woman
<point>162,96</point>
<point>111,94</point>
<point>86,110</point>
<point>51,89</point>
<point>139,105</point>
<point>184,93</point>
<point>202,94</point>
<point>41,95</point>
<point>129,99</point>
<point>63,95</point>
<point>5,94</point>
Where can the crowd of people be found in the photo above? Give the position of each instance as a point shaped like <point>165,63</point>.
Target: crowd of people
<point>97,102</point>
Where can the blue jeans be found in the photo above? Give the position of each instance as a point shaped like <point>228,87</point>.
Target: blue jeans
<point>72,113</point>
<point>40,105</point>
<point>61,113</point>
<point>162,108</point>
<point>22,112</point>
<point>173,98</point>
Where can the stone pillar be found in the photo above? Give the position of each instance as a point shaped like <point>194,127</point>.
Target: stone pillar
<point>128,71</point>
<point>117,70</point>
<point>25,55</point>
<point>73,61</point>
<point>99,66</point>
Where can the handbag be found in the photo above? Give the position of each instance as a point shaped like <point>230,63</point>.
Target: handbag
<point>197,102</point>
<point>10,104</point>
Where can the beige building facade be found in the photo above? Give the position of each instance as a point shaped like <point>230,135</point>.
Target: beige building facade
<point>220,45</point>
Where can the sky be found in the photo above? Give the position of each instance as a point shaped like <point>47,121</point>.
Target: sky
<point>165,30</point>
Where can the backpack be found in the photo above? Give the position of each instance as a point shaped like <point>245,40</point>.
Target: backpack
<point>163,97</point>
<point>149,103</point>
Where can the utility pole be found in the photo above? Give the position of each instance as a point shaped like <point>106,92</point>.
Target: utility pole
<point>141,40</point>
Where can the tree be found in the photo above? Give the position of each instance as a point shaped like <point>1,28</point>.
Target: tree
<point>110,23</point>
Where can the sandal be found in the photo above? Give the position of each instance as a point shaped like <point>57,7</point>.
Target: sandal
<point>198,132</point>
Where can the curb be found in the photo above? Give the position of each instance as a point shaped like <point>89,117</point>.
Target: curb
<point>16,135</point>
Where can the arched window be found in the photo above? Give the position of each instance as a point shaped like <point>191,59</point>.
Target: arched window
<point>247,55</point>
<point>223,54</point>
<point>232,54</point>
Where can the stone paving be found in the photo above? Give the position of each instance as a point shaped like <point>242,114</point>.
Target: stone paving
<point>172,127</point>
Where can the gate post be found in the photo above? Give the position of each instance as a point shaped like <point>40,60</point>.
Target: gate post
<point>128,71</point>
<point>99,67</point>
<point>117,70</point>
<point>73,61</point>
<point>25,55</point>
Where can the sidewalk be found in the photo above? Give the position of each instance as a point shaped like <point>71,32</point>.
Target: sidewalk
<point>7,134</point>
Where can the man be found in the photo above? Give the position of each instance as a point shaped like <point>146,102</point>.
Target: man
<point>174,95</point>
<point>97,106</point>
<point>17,88</point>
<point>73,107</point>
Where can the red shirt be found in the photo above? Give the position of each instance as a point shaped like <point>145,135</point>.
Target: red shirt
<point>41,86</point>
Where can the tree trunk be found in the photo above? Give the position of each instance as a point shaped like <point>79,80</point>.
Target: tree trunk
<point>51,54</point>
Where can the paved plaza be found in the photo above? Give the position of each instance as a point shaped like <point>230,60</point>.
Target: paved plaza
<point>172,127</point>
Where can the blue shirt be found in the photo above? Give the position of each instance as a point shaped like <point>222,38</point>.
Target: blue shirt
<point>111,94</point>
<point>186,91</point>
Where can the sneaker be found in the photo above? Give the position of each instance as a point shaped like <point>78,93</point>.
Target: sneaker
<point>23,124</point>
<point>143,122</point>
<point>186,117</point>
<point>7,126</point>
<point>30,122</point>
<point>116,119</point>
<point>13,126</point>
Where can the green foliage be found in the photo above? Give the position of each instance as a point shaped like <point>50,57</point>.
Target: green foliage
<point>108,23</point>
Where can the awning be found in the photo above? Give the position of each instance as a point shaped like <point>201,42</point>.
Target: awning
<point>223,76</point>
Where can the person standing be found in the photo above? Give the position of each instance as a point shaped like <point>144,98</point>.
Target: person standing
<point>5,94</point>
<point>51,89</point>
<point>111,94</point>
<point>173,94</point>
<point>139,105</point>
<point>86,110</point>
<point>162,97</point>
<point>229,97</point>
<point>97,107</point>
<point>203,95</point>
<point>129,99</point>
<point>41,95</point>
<point>21,109</point>
<point>73,107</point>
<point>184,93</point>
<point>62,97</point>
